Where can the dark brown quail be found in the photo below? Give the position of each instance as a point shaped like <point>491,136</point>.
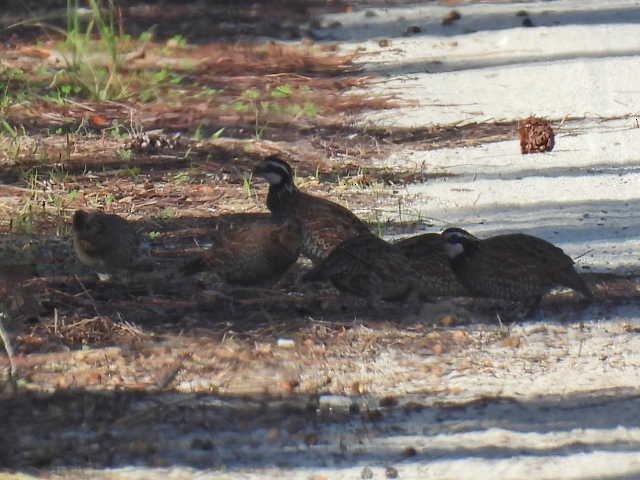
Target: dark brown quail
<point>251,254</point>
<point>512,267</point>
<point>368,267</point>
<point>427,256</point>
<point>108,243</point>
<point>325,224</point>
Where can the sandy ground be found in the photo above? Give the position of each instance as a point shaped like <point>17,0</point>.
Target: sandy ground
<point>557,396</point>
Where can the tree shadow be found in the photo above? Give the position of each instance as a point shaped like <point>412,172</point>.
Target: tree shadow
<point>597,220</point>
<point>198,22</point>
<point>393,22</point>
<point>444,65</point>
<point>396,20</point>
<point>113,429</point>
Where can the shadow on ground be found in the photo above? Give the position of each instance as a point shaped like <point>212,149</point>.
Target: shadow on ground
<point>396,20</point>
<point>112,429</point>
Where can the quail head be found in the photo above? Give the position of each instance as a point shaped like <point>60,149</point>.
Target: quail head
<point>325,224</point>
<point>251,254</point>
<point>513,266</point>
<point>108,243</point>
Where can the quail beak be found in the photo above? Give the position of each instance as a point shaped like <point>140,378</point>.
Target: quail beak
<point>266,175</point>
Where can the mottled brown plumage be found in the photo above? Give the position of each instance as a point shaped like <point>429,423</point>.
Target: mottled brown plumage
<point>324,224</point>
<point>369,267</point>
<point>536,135</point>
<point>251,254</point>
<point>108,243</point>
<point>513,267</point>
<point>426,256</point>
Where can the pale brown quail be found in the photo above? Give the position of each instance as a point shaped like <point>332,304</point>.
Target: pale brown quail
<point>108,243</point>
<point>251,254</point>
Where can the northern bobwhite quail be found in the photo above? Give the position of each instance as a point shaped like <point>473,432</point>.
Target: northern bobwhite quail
<point>368,267</point>
<point>251,254</point>
<point>512,267</point>
<point>108,243</point>
<point>325,224</point>
<point>427,256</point>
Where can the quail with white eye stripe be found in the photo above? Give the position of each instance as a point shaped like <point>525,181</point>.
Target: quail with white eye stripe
<point>513,266</point>
<point>324,224</point>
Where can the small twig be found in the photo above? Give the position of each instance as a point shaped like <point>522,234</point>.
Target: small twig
<point>289,75</point>
<point>80,105</point>
<point>583,254</point>
<point>169,376</point>
<point>146,204</point>
<point>8,348</point>
<point>86,292</point>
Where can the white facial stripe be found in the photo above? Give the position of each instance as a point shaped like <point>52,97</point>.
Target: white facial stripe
<point>453,249</point>
<point>272,177</point>
<point>280,166</point>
